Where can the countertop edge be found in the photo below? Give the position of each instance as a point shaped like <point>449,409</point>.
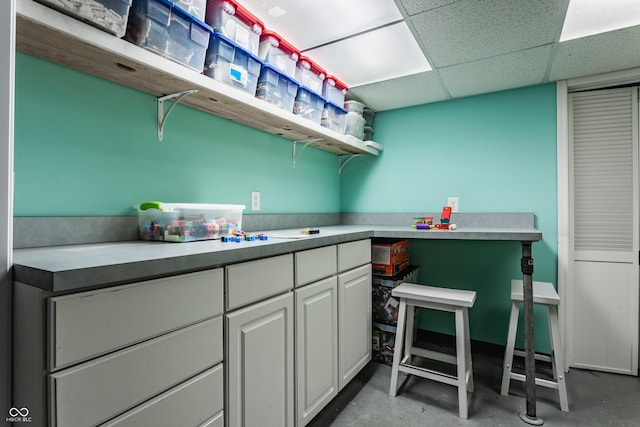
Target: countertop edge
<point>70,268</point>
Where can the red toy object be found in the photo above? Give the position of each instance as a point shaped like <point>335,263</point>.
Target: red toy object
<point>446,215</point>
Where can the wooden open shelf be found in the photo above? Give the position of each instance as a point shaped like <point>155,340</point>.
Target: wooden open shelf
<point>55,37</point>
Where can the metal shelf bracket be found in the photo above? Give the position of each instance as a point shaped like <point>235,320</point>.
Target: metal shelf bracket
<point>305,143</point>
<point>162,115</point>
<point>343,160</point>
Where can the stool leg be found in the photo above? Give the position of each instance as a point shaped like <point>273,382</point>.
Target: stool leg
<point>511,343</point>
<point>462,364</point>
<point>557,357</point>
<point>467,350</point>
<point>554,368</point>
<point>408,327</point>
<point>397,350</point>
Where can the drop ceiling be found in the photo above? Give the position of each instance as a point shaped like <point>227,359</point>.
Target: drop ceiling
<point>399,53</point>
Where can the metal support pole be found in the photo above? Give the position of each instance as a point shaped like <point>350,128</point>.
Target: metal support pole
<point>529,346</point>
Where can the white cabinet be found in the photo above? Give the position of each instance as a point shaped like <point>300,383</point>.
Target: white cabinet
<point>259,361</point>
<point>316,347</point>
<point>127,351</point>
<point>354,322</point>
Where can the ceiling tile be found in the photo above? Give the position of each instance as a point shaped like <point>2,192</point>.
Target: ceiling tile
<point>307,23</point>
<point>414,7</point>
<point>470,30</point>
<point>405,91</point>
<point>524,68</point>
<point>386,53</point>
<point>612,51</point>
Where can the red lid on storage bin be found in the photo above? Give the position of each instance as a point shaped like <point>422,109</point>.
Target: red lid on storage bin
<point>247,16</point>
<point>282,43</point>
<point>339,84</point>
<point>314,67</point>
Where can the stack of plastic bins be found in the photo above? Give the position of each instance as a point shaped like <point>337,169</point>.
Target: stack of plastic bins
<point>277,52</point>
<point>108,15</point>
<point>192,7</point>
<point>368,115</point>
<point>354,121</point>
<point>309,74</point>
<point>163,28</point>
<point>309,104</point>
<point>334,117</point>
<point>236,23</point>
<point>232,65</point>
<point>334,90</point>
<point>276,87</point>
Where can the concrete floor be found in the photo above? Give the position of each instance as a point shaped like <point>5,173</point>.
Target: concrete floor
<point>595,399</point>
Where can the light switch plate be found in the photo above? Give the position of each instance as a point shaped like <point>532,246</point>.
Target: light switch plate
<point>453,202</point>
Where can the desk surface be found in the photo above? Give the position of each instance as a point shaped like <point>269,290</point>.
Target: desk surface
<point>71,267</point>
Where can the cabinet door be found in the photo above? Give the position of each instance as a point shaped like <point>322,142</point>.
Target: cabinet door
<point>354,322</point>
<point>316,347</point>
<point>260,364</point>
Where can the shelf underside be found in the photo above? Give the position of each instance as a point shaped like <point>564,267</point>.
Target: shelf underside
<point>73,44</point>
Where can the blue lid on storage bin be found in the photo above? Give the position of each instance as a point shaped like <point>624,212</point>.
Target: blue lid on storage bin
<point>164,28</point>
<point>309,104</point>
<point>230,63</point>
<point>276,87</point>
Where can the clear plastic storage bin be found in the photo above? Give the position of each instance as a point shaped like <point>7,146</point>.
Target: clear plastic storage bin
<point>108,15</point>
<point>309,74</point>
<point>309,104</point>
<point>276,51</point>
<point>334,90</point>
<point>354,107</point>
<point>232,65</point>
<point>334,117</point>
<point>192,7</point>
<point>236,23</point>
<point>187,222</point>
<point>354,125</point>
<point>163,28</point>
<point>276,88</point>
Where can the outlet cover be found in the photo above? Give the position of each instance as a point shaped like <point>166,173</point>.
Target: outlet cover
<point>453,202</point>
<point>255,200</point>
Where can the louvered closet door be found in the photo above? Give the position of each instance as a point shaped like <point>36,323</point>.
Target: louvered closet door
<point>602,298</point>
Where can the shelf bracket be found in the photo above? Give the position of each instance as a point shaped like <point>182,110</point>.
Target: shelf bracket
<point>162,115</point>
<point>343,160</point>
<point>305,143</point>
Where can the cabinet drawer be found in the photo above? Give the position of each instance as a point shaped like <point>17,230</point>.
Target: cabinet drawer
<point>354,254</point>
<point>315,264</point>
<point>191,403</point>
<point>95,391</point>
<point>217,421</point>
<point>256,280</point>
<point>87,324</point>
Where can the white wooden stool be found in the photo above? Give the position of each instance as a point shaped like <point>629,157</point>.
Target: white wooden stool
<point>453,300</point>
<point>545,294</point>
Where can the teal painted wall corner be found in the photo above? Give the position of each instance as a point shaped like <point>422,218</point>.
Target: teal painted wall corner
<point>496,153</point>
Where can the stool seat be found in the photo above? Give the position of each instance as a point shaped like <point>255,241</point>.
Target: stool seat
<point>543,294</point>
<point>412,295</point>
<point>455,297</point>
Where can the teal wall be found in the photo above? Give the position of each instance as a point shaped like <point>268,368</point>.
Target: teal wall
<point>85,146</point>
<point>497,153</point>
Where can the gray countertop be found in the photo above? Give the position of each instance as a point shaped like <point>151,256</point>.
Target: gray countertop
<point>73,267</point>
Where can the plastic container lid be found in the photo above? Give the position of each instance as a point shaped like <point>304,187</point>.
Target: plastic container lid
<point>277,41</point>
<point>307,63</point>
<point>354,107</point>
<point>333,81</point>
<point>177,207</point>
<point>256,25</point>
